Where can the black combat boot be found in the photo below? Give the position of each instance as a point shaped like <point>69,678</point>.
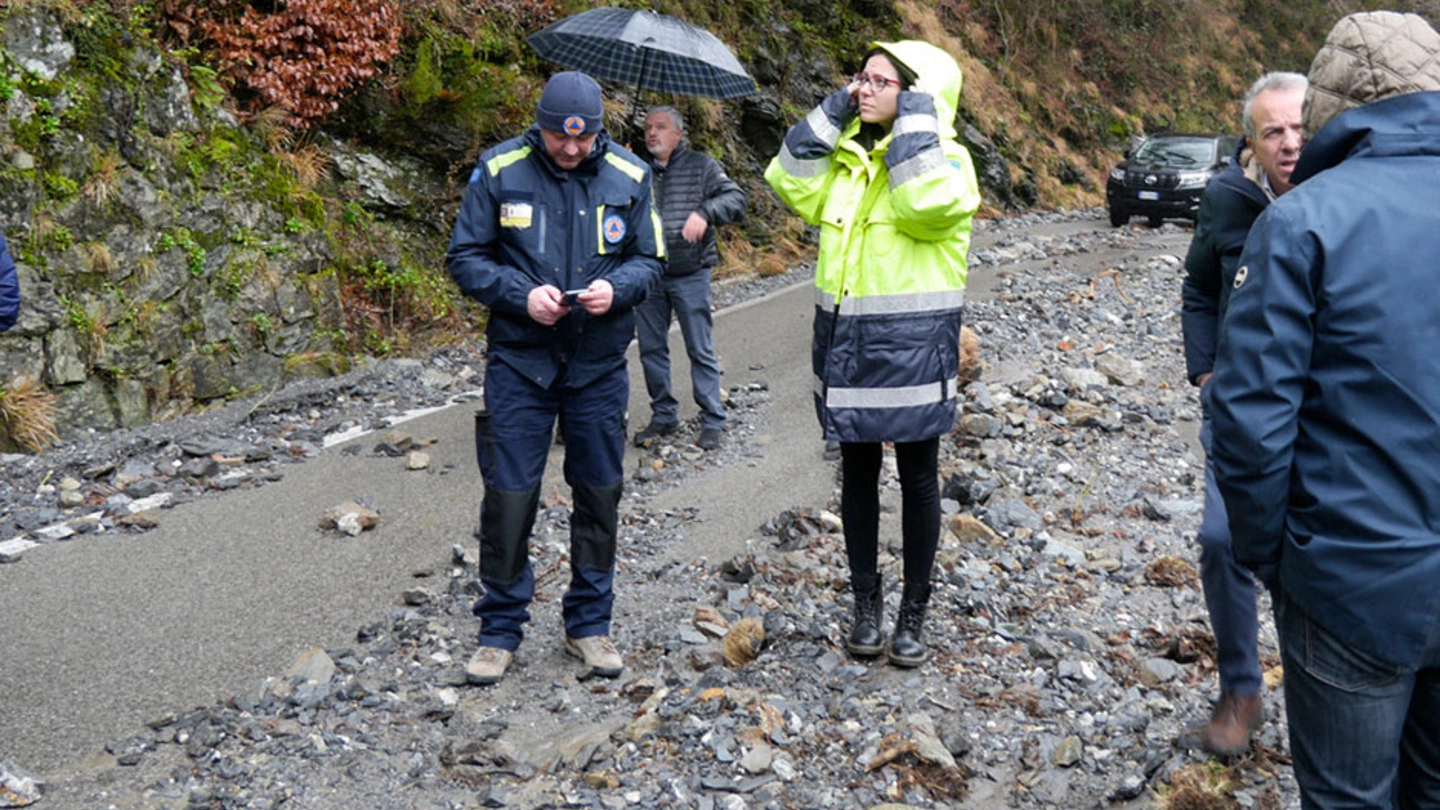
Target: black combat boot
<point>907,647</point>
<point>866,639</point>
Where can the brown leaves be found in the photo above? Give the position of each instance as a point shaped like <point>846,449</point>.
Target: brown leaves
<point>308,54</point>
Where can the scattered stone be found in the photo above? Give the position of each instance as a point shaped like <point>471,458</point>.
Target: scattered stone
<point>19,788</point>
<point>350,517</point>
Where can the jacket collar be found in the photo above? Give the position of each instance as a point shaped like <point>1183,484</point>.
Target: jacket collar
<point>1402,125</point>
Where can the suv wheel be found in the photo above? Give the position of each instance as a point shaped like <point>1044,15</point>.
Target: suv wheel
<point>1118,218</point>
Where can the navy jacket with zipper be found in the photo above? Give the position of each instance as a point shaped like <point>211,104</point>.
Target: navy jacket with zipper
<point>1326,393</point>
<point>1229,207</point>
<point>525,223</point>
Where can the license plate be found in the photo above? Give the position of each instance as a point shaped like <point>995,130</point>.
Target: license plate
<point>1149,195</point>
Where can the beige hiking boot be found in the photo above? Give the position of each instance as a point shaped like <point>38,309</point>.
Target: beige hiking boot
<point>598,653</point>
<point>488,665</point>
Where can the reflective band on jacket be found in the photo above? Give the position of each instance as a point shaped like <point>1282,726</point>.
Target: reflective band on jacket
<point>795,167</point>
<point>900,304</point>
<point>907,396</point>
<point>914,122</point>
<point>825,131</point>
<point>916,166</point>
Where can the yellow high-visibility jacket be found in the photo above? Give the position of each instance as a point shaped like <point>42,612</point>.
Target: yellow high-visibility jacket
<point>894,232</point>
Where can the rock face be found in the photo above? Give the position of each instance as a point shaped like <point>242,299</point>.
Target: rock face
<point>167,256</point>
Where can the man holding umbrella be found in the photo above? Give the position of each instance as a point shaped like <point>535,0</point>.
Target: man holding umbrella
<point>693,195</point>
<point>558,237</point>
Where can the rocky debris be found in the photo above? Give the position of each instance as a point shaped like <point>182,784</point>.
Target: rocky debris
<point>350,517</point>
<point>1071,653</point>
<point>19,788</point>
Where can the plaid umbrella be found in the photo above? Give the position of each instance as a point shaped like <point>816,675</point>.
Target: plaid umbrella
<point>649,50</point>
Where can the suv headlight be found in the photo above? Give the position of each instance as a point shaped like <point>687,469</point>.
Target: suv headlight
<point>1117,174</point>
<point>1192,179</point>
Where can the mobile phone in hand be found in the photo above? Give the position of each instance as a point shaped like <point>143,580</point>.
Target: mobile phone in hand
<point>572,295</point>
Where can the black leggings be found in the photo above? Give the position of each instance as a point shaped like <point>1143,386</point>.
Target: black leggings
<point>917,463</point>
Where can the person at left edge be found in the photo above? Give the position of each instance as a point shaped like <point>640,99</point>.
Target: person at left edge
<point>558,209</point>
<point>9,288</point>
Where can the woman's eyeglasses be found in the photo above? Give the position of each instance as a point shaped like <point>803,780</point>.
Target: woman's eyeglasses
<point>878,83</point>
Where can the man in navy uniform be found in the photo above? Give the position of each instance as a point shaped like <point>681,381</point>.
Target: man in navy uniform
<point>557,236</point>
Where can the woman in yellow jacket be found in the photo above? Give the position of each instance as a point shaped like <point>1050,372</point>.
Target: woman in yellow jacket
<point>877,168</point>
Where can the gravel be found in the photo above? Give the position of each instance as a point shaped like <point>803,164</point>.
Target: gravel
<point>1071,650</point>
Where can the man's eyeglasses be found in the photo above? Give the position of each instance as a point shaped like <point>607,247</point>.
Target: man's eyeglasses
<point>878,83</point>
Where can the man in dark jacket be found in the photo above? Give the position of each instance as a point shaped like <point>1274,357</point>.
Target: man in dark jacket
<point>558,237</point>
<point>9,288</point>
<point>694,195</point>
<point>1233,199</point>
<point>1326,403</point>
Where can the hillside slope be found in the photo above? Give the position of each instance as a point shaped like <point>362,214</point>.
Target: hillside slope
<point>209,199</point>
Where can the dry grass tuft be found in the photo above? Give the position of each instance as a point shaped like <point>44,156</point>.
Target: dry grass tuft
<point>276,127</point>
<point>307,164</point>
<point>743,642</point>
<point>1205,786</point>
<point>1171,572</point>
<point>27,414</point>
<point>99,258</point>
<point>103,182</point>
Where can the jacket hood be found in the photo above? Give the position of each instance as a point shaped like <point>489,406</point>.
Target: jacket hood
<point>1369,57</point>
<point>936,70</point>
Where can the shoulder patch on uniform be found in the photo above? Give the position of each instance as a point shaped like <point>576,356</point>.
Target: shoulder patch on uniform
<point>614,229</point>
<point>1240,275</point>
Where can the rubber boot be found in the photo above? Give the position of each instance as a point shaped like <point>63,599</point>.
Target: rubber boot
<point>907,646</point>
<point>865,638</point>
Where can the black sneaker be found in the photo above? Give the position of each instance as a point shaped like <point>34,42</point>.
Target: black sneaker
<point>655,430</point>
<point>709,438</point>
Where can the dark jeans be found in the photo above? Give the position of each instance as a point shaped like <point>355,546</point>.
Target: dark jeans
<point>688,297</point>
<point>917,465</point>
<point>522,420</point>
<point>1229,591</point>
<point>1364,734</point>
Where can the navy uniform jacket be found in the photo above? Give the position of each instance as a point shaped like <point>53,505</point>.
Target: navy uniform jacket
<point>1326,394</point>
<point>1229,207</point>
<point>9,288</point>
<point>525,223</point>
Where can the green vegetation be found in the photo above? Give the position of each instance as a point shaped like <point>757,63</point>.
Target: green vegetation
<point>254,191</point>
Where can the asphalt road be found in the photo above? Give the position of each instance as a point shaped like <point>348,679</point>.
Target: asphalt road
<point>102,633</point>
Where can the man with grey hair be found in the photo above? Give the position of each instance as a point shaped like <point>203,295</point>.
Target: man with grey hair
<point>1259,172</point>
<point>1326,407</point>
<point>693,195</point>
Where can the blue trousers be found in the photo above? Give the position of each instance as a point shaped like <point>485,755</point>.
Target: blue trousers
<point>1364,734</point>
<point>688,298</point>
<point>1229,591</point>
<point>513,440</point>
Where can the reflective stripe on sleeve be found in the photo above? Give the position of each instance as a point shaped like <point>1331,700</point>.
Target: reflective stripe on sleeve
<point>924,162</point>
<point>915,122</point>
<point>820,124</point>
<point>795,167</point>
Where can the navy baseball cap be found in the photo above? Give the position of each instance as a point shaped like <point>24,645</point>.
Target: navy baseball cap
<point>571,104</point>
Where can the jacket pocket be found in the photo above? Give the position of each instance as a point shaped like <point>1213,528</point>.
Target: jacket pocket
<point>522,223</point>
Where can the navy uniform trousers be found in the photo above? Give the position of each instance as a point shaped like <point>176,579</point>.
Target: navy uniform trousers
<point>513,437</point>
